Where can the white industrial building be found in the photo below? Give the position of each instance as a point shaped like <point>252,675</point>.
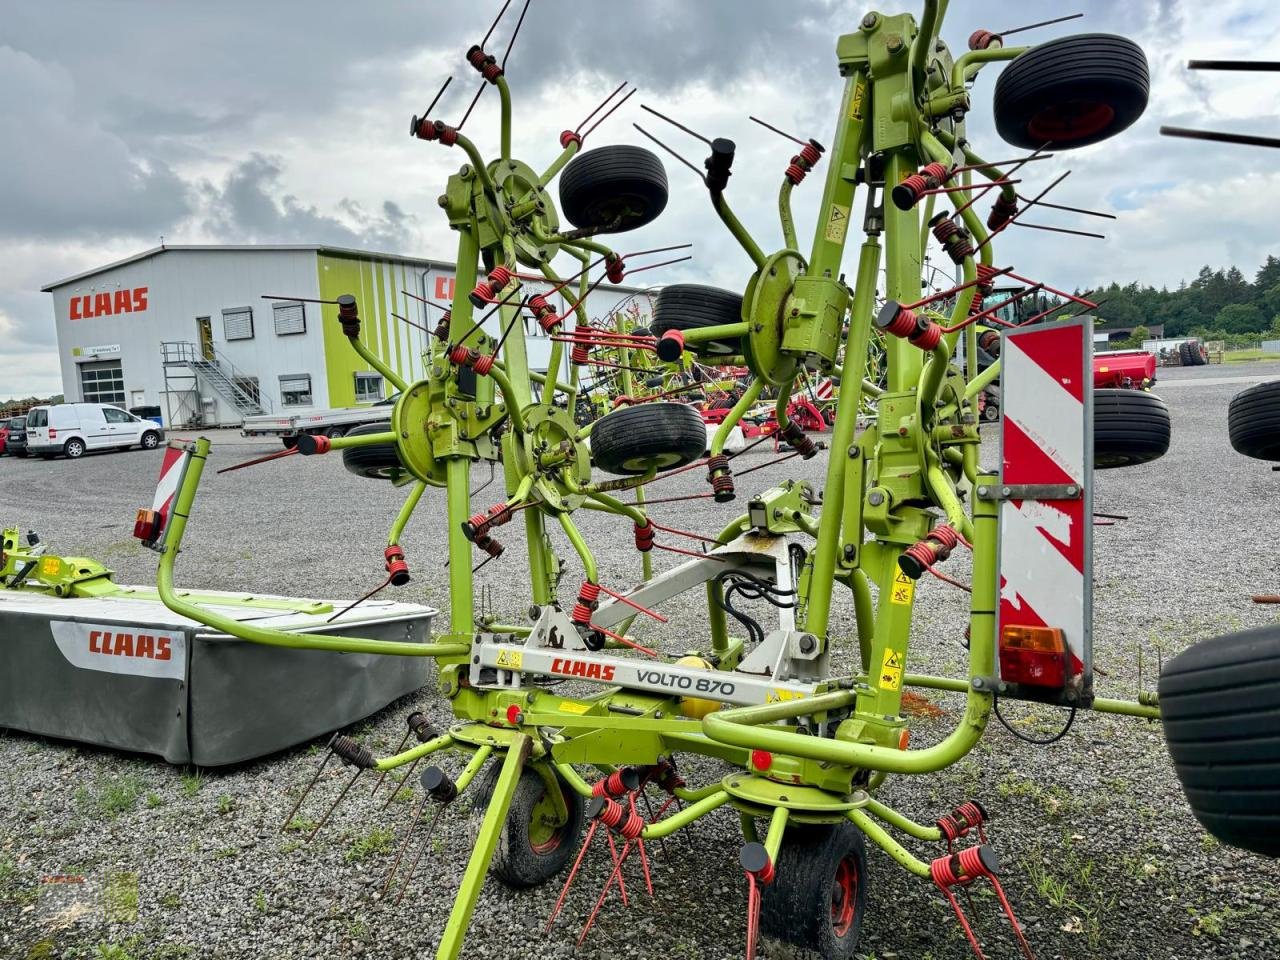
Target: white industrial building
<point>211,334</point>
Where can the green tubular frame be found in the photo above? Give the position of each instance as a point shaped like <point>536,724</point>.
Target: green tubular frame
<point>902,107</point>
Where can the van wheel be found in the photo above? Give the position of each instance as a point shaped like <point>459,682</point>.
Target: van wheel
<point>73,448</point>
<point>150,440</point>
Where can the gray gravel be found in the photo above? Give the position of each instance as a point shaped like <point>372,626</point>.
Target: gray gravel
<point>1102,857</point>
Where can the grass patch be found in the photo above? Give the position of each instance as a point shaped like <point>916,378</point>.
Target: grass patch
<point>226,804</point>
<point>192,782</point>
<point>376,841</point>
<point>118,795</point>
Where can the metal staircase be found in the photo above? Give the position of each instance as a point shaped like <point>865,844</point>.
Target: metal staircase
<point>219,373</point>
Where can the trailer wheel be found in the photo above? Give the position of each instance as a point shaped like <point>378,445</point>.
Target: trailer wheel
<point>1130,427</point>
<point>1219,700</point>
<point>378,462</point>
<point>1072,92</point>
<point>532,848</point>
<point>819,893</point>
<point>1253,420</point>
<point>614,188</point>
<point>632,440</point>
<point>690,306</point>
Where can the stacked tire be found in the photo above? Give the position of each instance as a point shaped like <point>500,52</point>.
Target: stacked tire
<point>1191,354</point>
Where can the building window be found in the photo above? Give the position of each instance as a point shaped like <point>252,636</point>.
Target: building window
<point>368,387</point>
<point>290,318</point>
<point>237,323</point>
<point>102,382</point>
<point>295,390</point>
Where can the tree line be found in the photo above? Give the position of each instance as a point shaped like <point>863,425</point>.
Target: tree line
<point>1216,305</point>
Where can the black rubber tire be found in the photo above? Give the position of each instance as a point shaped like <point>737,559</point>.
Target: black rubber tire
<point>630,441</point>
<point>1219,700</point>
<point>378,462</point>
<point>1253,420</point>
<point>1198,358</point>
<point>688,306</point>
<point>289,442</point>
<point>73,449</point>
<point>990,412</point>
<point>150,440</point>
<point>1072,92</point>
<point>798,906</point>
<point>615,188</point>
<point>1130,427</point>
<point>1184,353</point>
<point>517,863</point>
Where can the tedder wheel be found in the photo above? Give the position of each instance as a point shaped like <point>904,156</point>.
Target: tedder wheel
<point>819,893</point>
<point>1253,420</point>
<point>378,462</point>
<point>532,848</point>
<point>613,188</point>
<point>633,440</point>
<point>1071,92</point>
<point>289,442</point>
<point>991,412</point>
<point>1219,700</point>
<point>1129,427</point>
<point>687,306</point>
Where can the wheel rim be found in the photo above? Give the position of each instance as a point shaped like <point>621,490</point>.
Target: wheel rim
<point>149,440</point>
<point>844,896</point>
<point>1074,120</point>
<point>74,449</point>
<point>543,837</point>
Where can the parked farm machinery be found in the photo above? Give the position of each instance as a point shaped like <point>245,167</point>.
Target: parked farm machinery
<point>809,730</point>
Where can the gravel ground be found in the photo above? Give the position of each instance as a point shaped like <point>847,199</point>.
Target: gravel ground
<point>1102,857</point>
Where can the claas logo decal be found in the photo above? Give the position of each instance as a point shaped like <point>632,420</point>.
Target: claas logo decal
<point>146,645</point>
<point>109,303</point>
<point>582,668</point>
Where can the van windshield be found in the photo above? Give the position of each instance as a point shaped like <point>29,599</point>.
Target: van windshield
<point>38,418</point>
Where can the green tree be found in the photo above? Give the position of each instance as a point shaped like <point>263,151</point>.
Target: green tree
<point>1239,318</point>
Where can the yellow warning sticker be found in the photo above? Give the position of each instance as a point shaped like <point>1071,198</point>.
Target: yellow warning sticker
<point>837,223</point>
<point>903,590</point>
<point>568,706</point>
<point>855,101</point>
<point>891,670</point>
<point>778,695</point>
<point>50,566</point>
<point>510,659</point>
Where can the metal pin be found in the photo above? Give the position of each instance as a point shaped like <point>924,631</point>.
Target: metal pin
<point>431,829</point>
<point>1042,23</point>
<point>1242,139</point>
<point>427,112</point>
<point>515,33</point>
<point>600,107</point>
<point>1075,233</point>
<point>408,835</point>
<point>676,123</point>
<point>781,133</point>
<point>610,112</point>
<point>494,25</point>
<point>407,778</point>
<point>334,806</point>
<point>400,749</point>
<point>319,770</point>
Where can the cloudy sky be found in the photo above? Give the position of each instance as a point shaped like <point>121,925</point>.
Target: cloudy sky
<point>244,122</point>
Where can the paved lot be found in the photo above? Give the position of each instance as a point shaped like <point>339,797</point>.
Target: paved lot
<point>1102,857</point>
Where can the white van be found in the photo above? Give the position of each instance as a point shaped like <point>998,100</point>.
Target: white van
<point>73,428</point>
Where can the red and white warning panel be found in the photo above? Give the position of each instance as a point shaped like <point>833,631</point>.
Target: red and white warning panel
<point>1044,620</point>
<point>151,525</point>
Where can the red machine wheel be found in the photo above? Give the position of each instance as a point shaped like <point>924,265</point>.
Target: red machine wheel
<point>1072,92</point>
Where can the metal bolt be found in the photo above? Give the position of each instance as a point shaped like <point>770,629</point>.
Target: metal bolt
<point>850,551</point>
<point>869,21</point>
<point>1005,491</point>
<point>979,683</point>
<point>894,44</point>
<point>1071,490</point>
<point>443,200</point>
<point>982,491</point>
<point>807,643</point>
<point>533,612</point>
<point>875,498</point>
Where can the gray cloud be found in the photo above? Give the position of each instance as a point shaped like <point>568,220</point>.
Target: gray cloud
<point>249,208</point>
